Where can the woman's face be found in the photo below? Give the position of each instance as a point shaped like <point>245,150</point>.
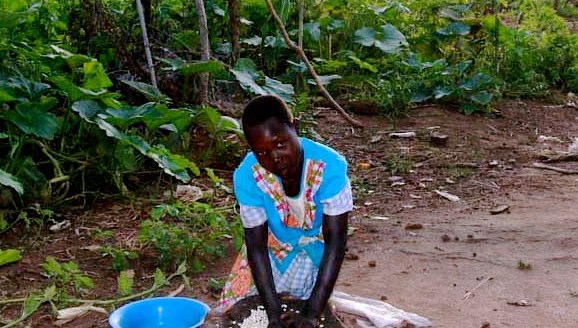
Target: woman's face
<point>277,148</point>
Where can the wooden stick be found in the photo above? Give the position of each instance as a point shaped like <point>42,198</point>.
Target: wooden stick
<point>147,45</point>
<point>553,168</point>
<point>471,292</point>
<point>310,67</point>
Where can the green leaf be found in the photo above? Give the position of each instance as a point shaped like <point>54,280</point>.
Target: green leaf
<point>87,109</point>
<point>7,179</point>
<point>209,66</point>
<point>313,30</point>
<point>83,282</point>
<point>365,36</point>
<point>254,41</point>
<point>32,120</point>
<point>468,108</point>
<point>476,81</point>
<point>363,64</point>
<point>482,97</point>
<point>247,81</point>
<point>125,282</point>
<point>421,96</point>
<point>182,269</point>
<point>160,278</point>
<point>77,93</point>
<point>454,28</point>
<point>149,91</point>
<point>95,77</point>
<point>52,267</point>
<point>73,61</point>
<point>440,92</point>
<point>9,256</point>
<point>285,91</point>
<point>50,292</point>
<point>325,79</point>
<point>393,40</point>
<point>6,95</point>
<point>31,304</point>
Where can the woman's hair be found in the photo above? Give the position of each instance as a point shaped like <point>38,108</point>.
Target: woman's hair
<point>262,108</point>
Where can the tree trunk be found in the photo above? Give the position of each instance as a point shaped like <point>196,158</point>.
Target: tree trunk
<point>205,50</point>
<point>235,25</point>
<point>147,46</point>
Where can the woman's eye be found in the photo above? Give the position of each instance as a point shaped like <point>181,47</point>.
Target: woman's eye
<point>280,144</point>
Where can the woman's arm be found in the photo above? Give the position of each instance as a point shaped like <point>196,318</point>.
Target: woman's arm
<point>258,256</point>
<point>335,237</point>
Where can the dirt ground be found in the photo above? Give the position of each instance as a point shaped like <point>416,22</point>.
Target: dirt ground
<point>453,262</point>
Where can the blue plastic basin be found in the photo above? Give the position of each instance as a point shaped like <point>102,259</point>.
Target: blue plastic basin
<point>166,312</point>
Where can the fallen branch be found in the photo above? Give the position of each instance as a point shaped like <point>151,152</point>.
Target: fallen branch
<point>471,292</point>
<point>563,157</point>
<point>310,67</point>
<point>553,168</point>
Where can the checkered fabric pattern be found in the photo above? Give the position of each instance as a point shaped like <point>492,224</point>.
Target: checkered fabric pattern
<point>299,279</point>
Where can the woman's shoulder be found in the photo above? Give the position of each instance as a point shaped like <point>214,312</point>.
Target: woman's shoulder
<point>246,164</point>
<point>316,150</point>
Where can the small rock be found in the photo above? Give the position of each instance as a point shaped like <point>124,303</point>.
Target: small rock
<point>520,303</point>
<point>363,166</point>
<point>371,264</point>
<point>500,209</point>
<point>395,178</point>
<point>351,256</point>
<point>438,139</point>
<point>383,298</point>
<point>446,238</point>
<point>493,163</point>
<point>485,325</point>
<point>410,134</point>
<point>375,139</point>
<point>414,226</point>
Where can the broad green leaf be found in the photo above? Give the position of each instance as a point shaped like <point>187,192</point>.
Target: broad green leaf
<point>482,97</point>
<point>10,20</point>
<point>246,65</point>
<point>454,28</point>
<point>285,91</point>
<point>77,93</point>
<point>254,41</point>
<point>365,36</point>
<point>440,92</point>
<point>7,179</point>
<point>247,81</point>
<point>95,77</point>
<point>335,24</point>
<point>421,96</point>
<point>125,282</point>
<point>476,81</point>
<point>33,121</point>
<point>393,40</point>
<point>160,278</point>
<point>125,157</point>
<point>3,224</point>
<point>299,67</point>
<point>9,256</point>
<point>73,61</point>
<point>31,304</point>
<point>6,95</point>
<point>468,108</point>
<point>325,79</point>
<point>149,91</point>
<point>313,30</point>
<point>87,109</point>
<point>22,87</point>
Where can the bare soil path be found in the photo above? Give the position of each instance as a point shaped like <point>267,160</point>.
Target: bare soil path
<point>452,262</point>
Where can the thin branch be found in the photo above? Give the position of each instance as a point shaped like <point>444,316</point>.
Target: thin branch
<point>147,45</point>
<point>553,168</point>
<point>310,67</point>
